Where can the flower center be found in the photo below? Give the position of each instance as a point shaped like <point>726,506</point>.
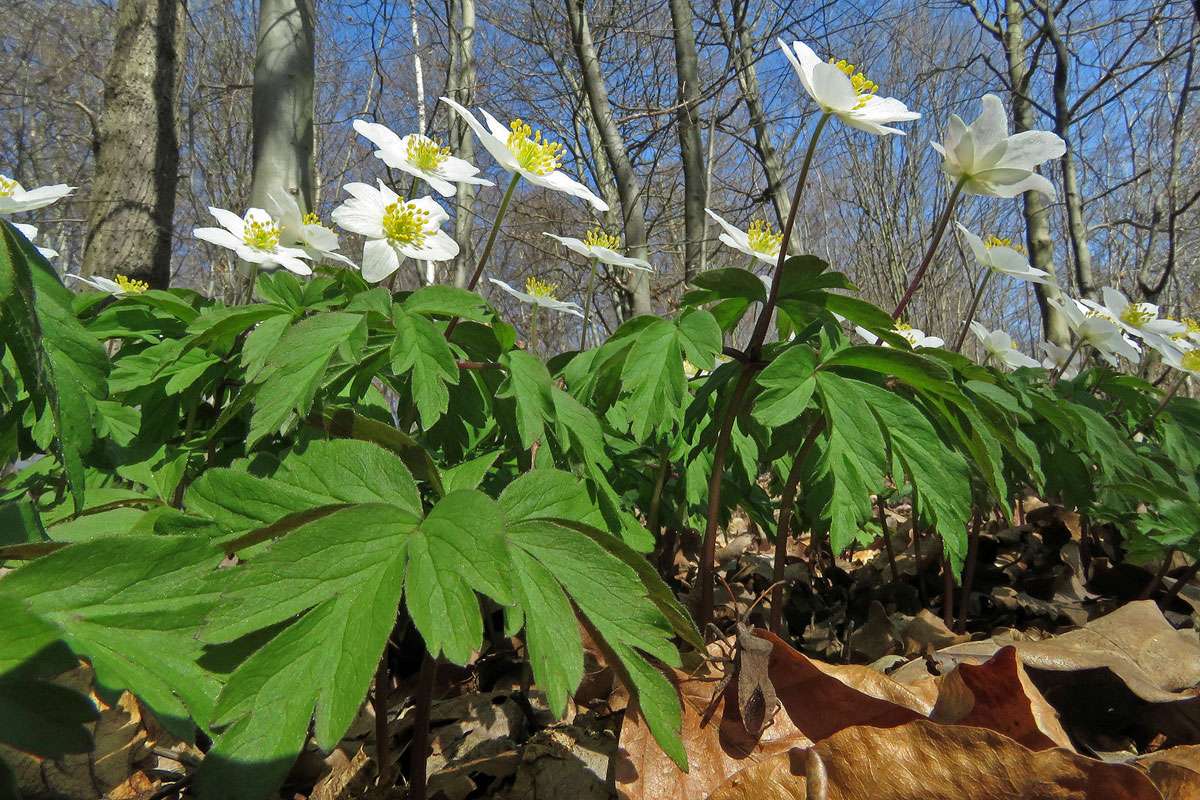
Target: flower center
<point>311,218</point>
<point>1136,315</point>
<point>405,223</point>
<point>996,241</point>
<point>1191,361</point>
<point>425,153</point>
<point>901,327</point>
<point>598,238</point>
<point>542,289</point>
<point>130,286</point>
<point>533,154</point>
<point>261,234</point>
<point>1192,326</point>
<point>8,186</point>
<point>864,87</point>
<point>762,239</point>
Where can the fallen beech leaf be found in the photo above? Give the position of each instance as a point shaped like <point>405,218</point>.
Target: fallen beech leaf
<point>1175,771</point>
<point>927,632</point>
<point>998,695</point>
<point>926,761</point>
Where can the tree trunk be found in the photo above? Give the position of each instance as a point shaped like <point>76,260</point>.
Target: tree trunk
<point>741,48</point>
<point>137,161</point>
<point>690,149</point>
<point>1076,228</point>
<point>633,209</point>
<point>462,89</point>
<point>284,73</point>
<point>1037,215</point>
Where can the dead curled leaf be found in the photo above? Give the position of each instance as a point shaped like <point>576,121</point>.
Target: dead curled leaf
<point>1175,771</point>
<point>922,760</point>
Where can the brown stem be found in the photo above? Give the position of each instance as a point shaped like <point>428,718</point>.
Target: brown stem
<point>1153,584</point>
<point>969,571</point>
<point>975,298</point>
<point>1181,582</point>
<point>919,275</point>
<point>1166,398</point>
<point>887,539</point>
<point>916,534</point>
<point>708,551</point>
<point>1059,370</point>
<point>419,755</point>
<point>786,502</point>
<point>379,703</point>
<point>947,593</point>
<point>655,511</point>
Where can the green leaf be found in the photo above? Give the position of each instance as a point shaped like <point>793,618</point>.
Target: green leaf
<point>294,370</point>
<point>420,349</point>
<point>345,423</point>
<point>912,368</point>
<point>528,386</point>
<point>700,337</point>
<point>469,474</point>
<point>217,322</point>
<point>62,365</point>
<point>29,639</point>
<point>854,457</point>
<point>44,718</point>
<point>653,376</point>
<point>787,385</point>
<point>447,301</point>
<point>731,283</point>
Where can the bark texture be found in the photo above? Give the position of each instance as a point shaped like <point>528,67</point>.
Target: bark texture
<point>284,72</point>
<point>137,154</point>
<point>633,207</point>
<point>690,149</point>
<point>462,89</point>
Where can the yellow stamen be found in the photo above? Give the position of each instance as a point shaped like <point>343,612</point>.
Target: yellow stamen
<point>425,153</point>
<point>1136,315</point>
<point>130,286</point>
<point>8,186</point>
<point>311,218</point>
<point>864,87</point>
<point>996,241</point>
<point>405,223</point>
<point>1191,361</point>
<point>763,239</point>
<point>598,238</point>
<point>533,154</point>
<point>903,326</point>
<point>261,234</point>
<point>541,289</point>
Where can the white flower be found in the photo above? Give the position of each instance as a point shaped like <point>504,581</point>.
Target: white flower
<point>848,95</point>
<point>1139,319</point>
<point>999,255</point>
<point>30,232</point>
<point>1096,329</point>
<point>395,228</point>
<point>915,337</point>
<point>1186,359</point>
<point>121,286</point>
<point>15,199</point>
<point>1056,359</point>
<point>420,156</point>
<point>601,246</point>
<point>998,346</point>
<point>255,238</point>
<point>540,294</point>
<point>304,230</point>
<point>992,162</point>
<point>518,149</point>
<point>759,242</point>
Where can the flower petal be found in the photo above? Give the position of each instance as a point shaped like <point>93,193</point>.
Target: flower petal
<point>832,88</point>
<point>379,260</point>
<point>562,182</point>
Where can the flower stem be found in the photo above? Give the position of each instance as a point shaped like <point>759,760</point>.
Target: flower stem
<point>764,316</point>
<point>587,303</point>
<point>1054,376</point>
<point>533,316</point>
<point>1166,398</point>
<point>962,333</point>
<point>938,231</point>
<point>491,240</point>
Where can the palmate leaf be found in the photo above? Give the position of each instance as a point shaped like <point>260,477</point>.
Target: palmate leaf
<point>853,457</point>
<point>420,351</point>
<point>62,365</point>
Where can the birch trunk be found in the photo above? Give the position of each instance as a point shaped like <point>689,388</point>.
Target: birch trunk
<point>137,159</point>
<point>284,73</point>
<point>690,149</point>
<point>633,209</point>
<point>462,89</point>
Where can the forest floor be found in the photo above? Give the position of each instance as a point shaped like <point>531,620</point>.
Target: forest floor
<point>1065,672</point>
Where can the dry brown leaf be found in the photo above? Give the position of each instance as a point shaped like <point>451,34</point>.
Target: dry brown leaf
<point>926,761</point>
<point>1175,771</point>
<point>999,696</point>
<point>926,632</point>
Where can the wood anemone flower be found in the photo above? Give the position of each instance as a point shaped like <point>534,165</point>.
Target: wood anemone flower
<point>1098,330</point>
<point>540,294</point>
<point>305,230</point>
<point>421,157</point>
<point>841,90</point>
<point>988,161</point>
<point>1138,319</point>
<point>14,198</point>
<point>395,228</point>
<point>760,242</point>
<point>255,238</point>
<point>600,247</point>
<point>30,232</point>
<point>1000,256</point>
<point>524,152</point>
<point>999,349</point>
